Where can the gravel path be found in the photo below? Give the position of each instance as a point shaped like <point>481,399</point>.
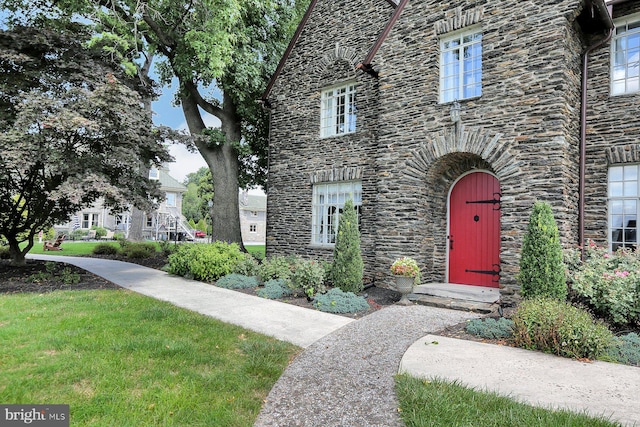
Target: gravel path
<point>347,377</point>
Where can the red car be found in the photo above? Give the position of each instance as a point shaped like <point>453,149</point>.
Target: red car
<point>199,233</point>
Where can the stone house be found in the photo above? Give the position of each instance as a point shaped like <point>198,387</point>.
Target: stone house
<point>446,121</point>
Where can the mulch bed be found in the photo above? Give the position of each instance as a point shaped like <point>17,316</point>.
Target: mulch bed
<point>20,279</point>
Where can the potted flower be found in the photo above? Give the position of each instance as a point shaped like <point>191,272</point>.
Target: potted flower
<point>407,274</point>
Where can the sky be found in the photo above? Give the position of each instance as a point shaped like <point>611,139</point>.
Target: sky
<point>168,115</point>
<point>173,117</point>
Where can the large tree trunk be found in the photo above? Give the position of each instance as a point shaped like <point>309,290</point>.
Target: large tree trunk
<point>17,255</point>
<point>223,163</point>
<point>136,223</point>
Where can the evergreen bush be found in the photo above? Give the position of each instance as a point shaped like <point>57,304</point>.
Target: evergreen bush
<point>237,281</point>
<point>337,301</point>
<point>625,349</point>
<point>557,327</point>
<point>542,272</point>
<point>348,267</point>
<point>105,249</point>
<point>4,252</point>
<point>274,289</point>
<point>139,250</point>
<point>490,328</point>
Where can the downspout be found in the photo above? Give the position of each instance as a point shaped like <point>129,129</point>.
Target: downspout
<point>606,13</point>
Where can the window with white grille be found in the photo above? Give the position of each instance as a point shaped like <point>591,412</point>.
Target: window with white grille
<point>461,66</point>
<point>328,203</point>
<point>624,206</point>
<point>625,56</point>
<point>338,111</point>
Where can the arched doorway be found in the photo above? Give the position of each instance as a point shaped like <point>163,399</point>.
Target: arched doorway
<point>474,230</point>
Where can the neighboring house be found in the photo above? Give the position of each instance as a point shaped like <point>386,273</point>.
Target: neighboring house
<point>445,121</point>
<point>253,218</point>
<point>161,224</point>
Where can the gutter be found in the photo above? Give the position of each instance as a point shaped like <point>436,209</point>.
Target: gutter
<point>605,12</point>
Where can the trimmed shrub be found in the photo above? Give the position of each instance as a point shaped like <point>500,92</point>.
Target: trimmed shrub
<point>205,261</point>
<point>100,231</point>
<point>105,249</point>
<point>610,283</point>
<point>139,250</point>
<point>237,281</point>
<point>542,272</point>
<point>4,252</point>
<point>167,247</point>
<point>247,266</point>
<point>625,349</point>
<point>348,267</point>
<point>274,289</point>
<point>308,276</point>
<point>337,301</point>
<point>276,267</point>
<point>490,328</point>
<point>557,327</point>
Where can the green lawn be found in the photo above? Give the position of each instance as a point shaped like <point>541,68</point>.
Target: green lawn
<point>439,403</point>
<point>122,359</point>
<point>86,248</point>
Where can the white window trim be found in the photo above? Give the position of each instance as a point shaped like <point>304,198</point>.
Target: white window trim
<point>611,199</point>
<point>634,18</point>
<point>329,122</point>
<point>476,29</point>
<point>323,224</point>
<point>154,174</point>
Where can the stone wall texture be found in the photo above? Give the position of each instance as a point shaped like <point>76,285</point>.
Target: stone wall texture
<point>524,129</point>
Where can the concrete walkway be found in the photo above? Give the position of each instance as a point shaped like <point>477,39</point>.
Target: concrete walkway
<point>345,377</point>
<point>285,322</point>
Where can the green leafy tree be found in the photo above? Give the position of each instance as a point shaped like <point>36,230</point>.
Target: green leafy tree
<point>542,272</point>
<point>71,132</point>
<point>231,45</point>
<point>348,267</point>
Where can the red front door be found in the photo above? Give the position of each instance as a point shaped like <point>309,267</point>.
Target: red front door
<point>474,230</point>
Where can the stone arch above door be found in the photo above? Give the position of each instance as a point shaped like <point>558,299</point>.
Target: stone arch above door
<point>490,148</point>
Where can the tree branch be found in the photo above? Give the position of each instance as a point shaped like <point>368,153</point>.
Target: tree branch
<point>207,106</point>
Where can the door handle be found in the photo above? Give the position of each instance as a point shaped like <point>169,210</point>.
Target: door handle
<point>450,242</point>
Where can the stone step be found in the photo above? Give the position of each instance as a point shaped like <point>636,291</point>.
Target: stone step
<point>478,299</point>
<point>454,304</point>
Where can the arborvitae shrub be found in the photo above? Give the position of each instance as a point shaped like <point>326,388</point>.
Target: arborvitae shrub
<point>542,272</point>
<point>347,270</point>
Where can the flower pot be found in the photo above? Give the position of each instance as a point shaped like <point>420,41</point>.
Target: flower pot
<point>404,285</point>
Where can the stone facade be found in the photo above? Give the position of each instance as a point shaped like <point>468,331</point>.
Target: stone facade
<point>524,129</point>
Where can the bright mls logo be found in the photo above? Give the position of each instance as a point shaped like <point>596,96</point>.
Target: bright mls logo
<point>34,415</point>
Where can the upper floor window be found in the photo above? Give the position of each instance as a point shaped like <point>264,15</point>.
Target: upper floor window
<point>171,199</point>
<point>338,111</point>
<point>625,56</point>
<point>328,203</point>
<point>624,205</point>
<point>154,174</point>
<point>461,66</point>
